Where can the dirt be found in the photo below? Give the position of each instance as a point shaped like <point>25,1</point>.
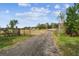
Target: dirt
<point>42,45</point>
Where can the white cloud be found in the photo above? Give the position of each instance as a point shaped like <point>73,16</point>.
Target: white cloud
<point>35,13</point>
<point>20,14</point>
<point>40,10</point>
<point>4,11</point>
<point>7,11</point>
<point>67,5</point>
<point>56,12</point>
<point>24,4</point>
<point>57,6</point>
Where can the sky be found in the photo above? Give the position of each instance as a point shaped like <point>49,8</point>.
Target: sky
<point>31,14</point>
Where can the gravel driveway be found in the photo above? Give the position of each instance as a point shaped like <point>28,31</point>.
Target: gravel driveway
<point>41,45</point>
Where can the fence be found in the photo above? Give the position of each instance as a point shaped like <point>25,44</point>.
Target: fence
<point>20,31</point>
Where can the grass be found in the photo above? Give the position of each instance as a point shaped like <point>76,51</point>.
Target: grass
<point>38,32</point>
<point>68,46</point>
<point>8,41</point>
<point>33,31</point>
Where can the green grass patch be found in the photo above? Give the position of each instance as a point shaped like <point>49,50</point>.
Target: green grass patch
<point>8,41</point>
<point>69,46</point>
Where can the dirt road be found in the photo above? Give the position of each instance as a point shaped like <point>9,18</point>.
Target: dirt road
<point>41,45</point>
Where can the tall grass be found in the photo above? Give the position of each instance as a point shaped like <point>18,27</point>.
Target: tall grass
<point>6,41</point>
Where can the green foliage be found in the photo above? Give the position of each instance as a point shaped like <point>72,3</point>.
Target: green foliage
<point>47,25</point>
<point>68,46</point>
<point>41,26</point>
<point>13,23</point>
<point>54,25</point>
<point>72,20</point>
<point>6,41</point>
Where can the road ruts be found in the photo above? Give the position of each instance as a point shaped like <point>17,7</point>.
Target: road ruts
<point>41,45</point>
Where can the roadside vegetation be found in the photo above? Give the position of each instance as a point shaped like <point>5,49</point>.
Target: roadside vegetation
<point>11,35</point>
<point>68,45</point>
<point>8,41</point>
<point>67,35</point>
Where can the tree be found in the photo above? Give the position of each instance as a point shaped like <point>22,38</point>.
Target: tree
<point>72,20</point>
<point>54,25</point>
<point>13,23</point>
<point>41,26</point>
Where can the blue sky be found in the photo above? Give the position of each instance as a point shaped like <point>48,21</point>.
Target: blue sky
<point>31,14</point>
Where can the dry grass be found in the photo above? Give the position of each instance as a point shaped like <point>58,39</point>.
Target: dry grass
<point>33,32</point>
<point>7,41</point>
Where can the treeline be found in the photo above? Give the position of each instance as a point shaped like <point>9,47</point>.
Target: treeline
<point>47,26</point>
<point>11,28</point>
<point>44,26</point>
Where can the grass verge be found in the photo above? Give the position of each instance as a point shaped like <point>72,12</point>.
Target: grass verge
<point>68,46</point>
<point>8,41</point>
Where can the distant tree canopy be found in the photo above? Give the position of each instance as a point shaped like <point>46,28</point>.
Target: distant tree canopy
<point>72,20</point>
<point>47,26</point>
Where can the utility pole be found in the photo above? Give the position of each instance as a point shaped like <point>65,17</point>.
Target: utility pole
<point>47,26</point>
<point>61,22</point>
<point>59,28</point>
<point>30,31</point>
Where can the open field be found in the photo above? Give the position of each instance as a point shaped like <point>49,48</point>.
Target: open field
<point>26,31</point>
<point>6,41</point>
<point>68,46</point>
<point>32,32</point>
